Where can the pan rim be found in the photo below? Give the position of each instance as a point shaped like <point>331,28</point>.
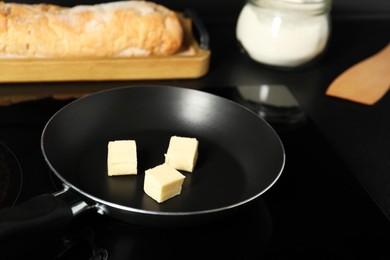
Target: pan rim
<point>98,202</point>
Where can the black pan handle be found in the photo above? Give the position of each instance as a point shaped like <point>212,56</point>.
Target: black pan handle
<point>204,38</point>
<point>42,213</point>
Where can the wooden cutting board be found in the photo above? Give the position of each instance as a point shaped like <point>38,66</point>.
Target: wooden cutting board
<point>191,62</point>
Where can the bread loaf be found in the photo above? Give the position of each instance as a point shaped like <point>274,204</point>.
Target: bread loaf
<point>115,29</point>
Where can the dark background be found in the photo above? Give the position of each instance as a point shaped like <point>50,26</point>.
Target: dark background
<point>222,10</point>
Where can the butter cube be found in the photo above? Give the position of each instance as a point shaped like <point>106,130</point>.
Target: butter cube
<point>163,182</point>
<point>122,157</point>
<point>182,153</point>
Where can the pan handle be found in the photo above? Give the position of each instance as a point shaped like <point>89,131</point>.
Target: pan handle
<point>43,213</point>
<point>204,38</point>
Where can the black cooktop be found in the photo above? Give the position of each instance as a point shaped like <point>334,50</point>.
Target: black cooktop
<point>316,209</point>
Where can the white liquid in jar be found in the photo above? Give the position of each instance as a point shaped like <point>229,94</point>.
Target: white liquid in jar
<point>281,38</point>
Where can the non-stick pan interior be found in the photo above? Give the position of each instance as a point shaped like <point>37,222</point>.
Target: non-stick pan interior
<point>240,155</point>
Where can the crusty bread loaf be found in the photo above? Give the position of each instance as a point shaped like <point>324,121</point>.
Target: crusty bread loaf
<point>115,29</point>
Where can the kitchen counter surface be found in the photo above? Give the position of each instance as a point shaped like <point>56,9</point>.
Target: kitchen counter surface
<point>359,134</point>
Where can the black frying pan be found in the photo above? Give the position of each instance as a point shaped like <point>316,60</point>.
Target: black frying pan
<point>240,155</point>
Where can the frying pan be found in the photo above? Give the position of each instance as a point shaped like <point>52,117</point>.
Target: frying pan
<point>240,155</point>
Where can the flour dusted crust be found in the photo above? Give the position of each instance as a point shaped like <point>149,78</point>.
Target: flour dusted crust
<point>115,29</point>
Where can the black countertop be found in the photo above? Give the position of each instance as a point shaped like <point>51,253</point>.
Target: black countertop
<point>359,134</point>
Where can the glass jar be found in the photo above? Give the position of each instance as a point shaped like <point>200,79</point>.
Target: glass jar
<point>284,33</point>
